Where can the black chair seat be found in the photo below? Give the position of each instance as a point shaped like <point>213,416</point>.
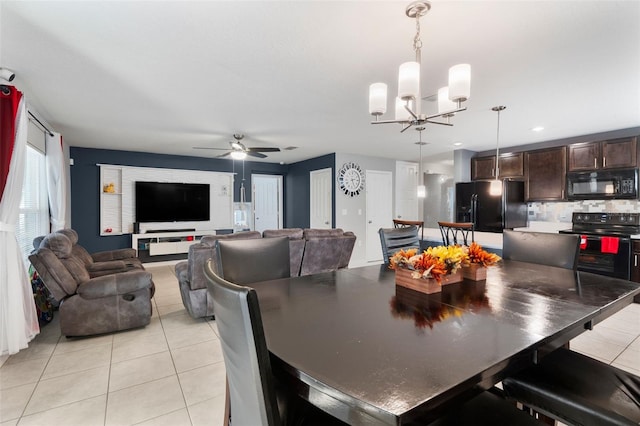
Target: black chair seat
<point>576,389</point>
<point>486,409</point>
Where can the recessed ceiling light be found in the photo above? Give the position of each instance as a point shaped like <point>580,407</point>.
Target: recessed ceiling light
<point>457,144</point>
<point>537,129</point>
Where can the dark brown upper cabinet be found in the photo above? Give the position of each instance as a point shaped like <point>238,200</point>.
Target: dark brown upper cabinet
<point>611,154</point>
<point>511,166</point>
<point>545,171</point>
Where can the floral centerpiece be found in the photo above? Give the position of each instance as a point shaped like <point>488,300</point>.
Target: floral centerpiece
<point>427,271</point>
<point>477,262</point>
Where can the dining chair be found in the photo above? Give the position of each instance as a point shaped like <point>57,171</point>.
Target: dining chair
<point>560,250</point>
<point>250,261</point>
<point>253,394</point>
<point>565,385</point>
<point>399,223</point>
<point>577,390</point>
<point>395,239</point>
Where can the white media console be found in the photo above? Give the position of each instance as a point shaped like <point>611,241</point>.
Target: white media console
<point>166,243</point>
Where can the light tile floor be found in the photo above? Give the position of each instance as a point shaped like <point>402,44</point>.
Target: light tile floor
<point>171,372</point>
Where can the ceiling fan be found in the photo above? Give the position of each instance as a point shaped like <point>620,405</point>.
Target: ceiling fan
<point>239,151</point>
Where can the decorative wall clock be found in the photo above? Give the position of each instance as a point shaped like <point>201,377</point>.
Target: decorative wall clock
<point>351,179</point>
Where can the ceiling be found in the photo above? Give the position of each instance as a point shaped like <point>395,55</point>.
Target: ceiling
<point>166,76</point>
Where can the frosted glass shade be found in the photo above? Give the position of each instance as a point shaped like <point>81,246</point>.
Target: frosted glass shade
<point>444,103</point>
<point>401,111</point>
<point>460,82</point>
<point>238,155</point>
<point>377,99</point>
<point>495,187</point>
<point>409,81</point>
<point>422,191</point>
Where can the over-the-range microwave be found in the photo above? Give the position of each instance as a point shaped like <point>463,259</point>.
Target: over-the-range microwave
<point>603,184</point>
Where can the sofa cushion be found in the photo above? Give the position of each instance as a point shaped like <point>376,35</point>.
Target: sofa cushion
<point>322,233</point>
<point>292,233</point>
<point>210,240</point>
<point>59,244</point>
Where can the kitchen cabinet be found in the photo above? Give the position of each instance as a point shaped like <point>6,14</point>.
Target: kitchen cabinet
<point>511,165</point>
<point>611,154</point>
<point>545,171</point>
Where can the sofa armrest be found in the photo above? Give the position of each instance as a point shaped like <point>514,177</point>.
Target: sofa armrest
<point>198,255</point>
<point>105,256</point>
<point>115,284</point>
<point>111,265</point>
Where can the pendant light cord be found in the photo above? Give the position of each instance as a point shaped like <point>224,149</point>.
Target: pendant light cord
<point>498,109</point>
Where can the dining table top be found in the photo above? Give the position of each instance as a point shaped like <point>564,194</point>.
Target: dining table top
<point>371,352</point>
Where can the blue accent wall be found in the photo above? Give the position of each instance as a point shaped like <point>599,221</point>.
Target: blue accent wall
<point>297,196</point>
<point>85,186</point>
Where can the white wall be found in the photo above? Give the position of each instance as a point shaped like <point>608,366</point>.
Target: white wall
<point>351,211</point>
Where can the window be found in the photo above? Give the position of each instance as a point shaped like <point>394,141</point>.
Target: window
<point>33,219</point>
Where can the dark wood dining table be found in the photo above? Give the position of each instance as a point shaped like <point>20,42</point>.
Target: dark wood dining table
<point>369,352</point>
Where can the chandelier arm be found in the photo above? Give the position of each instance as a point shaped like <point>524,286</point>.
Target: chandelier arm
<point>429,117</point>
<point>390,121</point>
<point>413,114</point>
<point>439,122</point>
<point>408,126</point>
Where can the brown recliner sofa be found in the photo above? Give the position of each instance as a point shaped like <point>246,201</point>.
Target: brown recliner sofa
<point>103,262</point>
<point>91,305</point>
<point>190,273</point>
<point>328,249</point>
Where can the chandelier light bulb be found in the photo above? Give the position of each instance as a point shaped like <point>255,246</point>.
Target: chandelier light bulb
<point>409,81</point>
<point>377,99</point>
<point>495,187</point>
<point>459,82</point>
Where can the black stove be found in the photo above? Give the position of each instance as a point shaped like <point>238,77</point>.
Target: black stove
<point>605,244</point>
<point>610,224</point>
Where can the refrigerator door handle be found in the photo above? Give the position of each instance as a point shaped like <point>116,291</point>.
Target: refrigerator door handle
<point>474,208</point>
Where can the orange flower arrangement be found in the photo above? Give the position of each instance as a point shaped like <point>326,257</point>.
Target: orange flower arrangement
<point>423,265</point>
<point>478,255</point>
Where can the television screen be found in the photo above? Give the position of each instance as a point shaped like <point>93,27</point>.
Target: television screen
<point>171,202</point>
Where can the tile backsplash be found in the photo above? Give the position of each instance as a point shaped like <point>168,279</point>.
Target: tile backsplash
<point>561,211</point>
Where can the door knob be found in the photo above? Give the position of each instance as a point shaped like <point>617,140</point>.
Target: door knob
<point>326,223</point>
<point>370,221</point>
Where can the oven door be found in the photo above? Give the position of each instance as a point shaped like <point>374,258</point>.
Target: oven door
<point>592,258</point>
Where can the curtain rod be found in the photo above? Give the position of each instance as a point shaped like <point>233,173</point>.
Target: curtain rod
<point>40,123</point>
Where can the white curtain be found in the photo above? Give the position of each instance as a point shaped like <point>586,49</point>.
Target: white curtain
<point>18,317</point>
<point>56,181</point>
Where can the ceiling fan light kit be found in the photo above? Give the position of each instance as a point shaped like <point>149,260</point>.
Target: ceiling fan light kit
<point>407,104</point>
<point>238,151</point>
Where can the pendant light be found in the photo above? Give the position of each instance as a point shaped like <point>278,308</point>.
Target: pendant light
<point>496,185</point>
<point>422,190</point>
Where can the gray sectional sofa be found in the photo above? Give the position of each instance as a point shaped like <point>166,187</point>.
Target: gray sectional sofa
<point>311,250</point>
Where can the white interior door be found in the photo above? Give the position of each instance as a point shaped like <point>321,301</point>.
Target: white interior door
<point>320,199</point>
<point>406,190</point>
<point>267,202</point>
<point>379,195</point>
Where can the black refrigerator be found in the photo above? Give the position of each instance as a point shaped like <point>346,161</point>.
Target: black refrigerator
<point>491,213</point>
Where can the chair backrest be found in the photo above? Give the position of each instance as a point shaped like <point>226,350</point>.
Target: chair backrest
<point>60,271</point>
<point>246,357</point>
<point>395,239</point>
<point>451,230</point>
<point>250,261</point>
<point>77,250</point>
<point>561,250</point>
<point>324,249</point>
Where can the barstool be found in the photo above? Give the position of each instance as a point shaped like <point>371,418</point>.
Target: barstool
<point>450,230</point>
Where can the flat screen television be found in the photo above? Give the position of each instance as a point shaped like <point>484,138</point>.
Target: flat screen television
<point>171,202</point>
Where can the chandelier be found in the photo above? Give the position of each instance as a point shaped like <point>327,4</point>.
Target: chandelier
<point>407,104</point>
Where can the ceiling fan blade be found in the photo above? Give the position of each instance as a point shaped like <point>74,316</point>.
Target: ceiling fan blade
<point>255,149</point>
<point>226,154</point>
<point>256,154</point>
<point>207,147</point>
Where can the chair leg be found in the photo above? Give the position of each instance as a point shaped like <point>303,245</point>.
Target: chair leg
<point>227,404</point>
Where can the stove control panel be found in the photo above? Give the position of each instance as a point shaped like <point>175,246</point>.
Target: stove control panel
<point>607,218</point>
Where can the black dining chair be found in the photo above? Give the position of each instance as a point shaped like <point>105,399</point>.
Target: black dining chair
<point>565,385</point>
<point>396,239</point>
<point>253,395</point>
<point>250,261</point>
<point>561,250</point>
